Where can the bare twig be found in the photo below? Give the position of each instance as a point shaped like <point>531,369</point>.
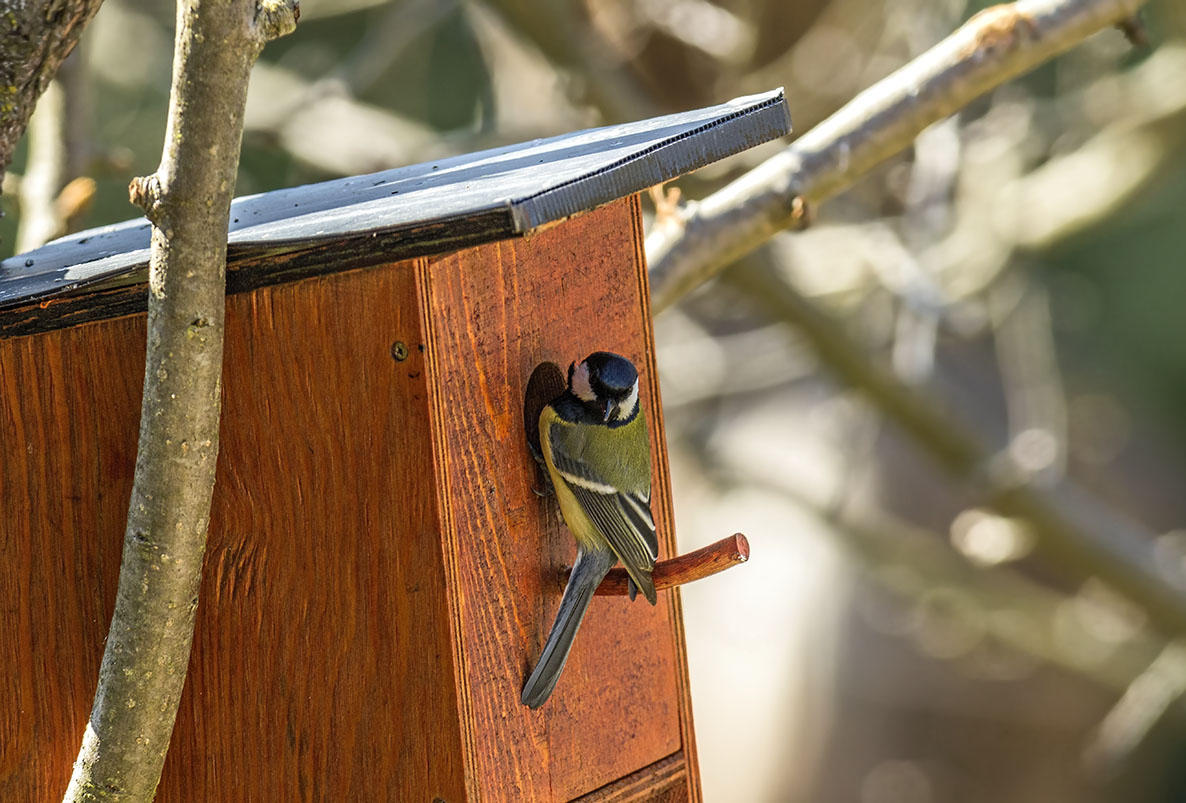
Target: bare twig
<point>1028,362</point>
<point>1074,192</point>
<point>188,201</point>
<point>387,38</point>
<point>76,129</point>
<point>1017,611</point>
<point>1143,704</point>
<point>994,46</point>
<point>324,127</point>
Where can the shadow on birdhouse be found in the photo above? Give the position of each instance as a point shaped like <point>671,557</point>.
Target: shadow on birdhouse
<point>379,572</point>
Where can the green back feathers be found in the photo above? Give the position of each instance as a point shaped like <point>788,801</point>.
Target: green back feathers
<point>616,456</point>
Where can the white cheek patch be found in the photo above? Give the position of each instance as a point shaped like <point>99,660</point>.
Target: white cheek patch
<point>630,403</point>
<point>580,384</point>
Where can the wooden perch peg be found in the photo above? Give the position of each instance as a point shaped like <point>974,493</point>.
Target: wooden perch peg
<point>696,565</point>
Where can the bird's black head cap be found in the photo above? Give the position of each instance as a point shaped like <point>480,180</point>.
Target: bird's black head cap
<point>611,374</point>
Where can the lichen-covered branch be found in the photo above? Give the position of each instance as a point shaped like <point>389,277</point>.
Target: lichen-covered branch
<point>994,46</point>
<point>34,39</point>
<point>188,201</point>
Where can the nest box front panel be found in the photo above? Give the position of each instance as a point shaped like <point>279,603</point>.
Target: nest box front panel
<point>321,667</point>
<point>69,413</point>
<point>495,312</point>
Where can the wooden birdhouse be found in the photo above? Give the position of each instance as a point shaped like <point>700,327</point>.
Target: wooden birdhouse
<point>379,575</point>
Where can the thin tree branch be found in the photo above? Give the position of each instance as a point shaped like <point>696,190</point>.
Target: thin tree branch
<point>568,41</point>
<point>188,201</point>
<point>994,46</point>
<point>1072,193</point>
<point>1143,704</point>
<point>77,126</point>
<point>912,562</point>
<point>1027,360</point>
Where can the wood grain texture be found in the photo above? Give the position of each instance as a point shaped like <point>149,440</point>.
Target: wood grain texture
<point>665,781</point>
<point>69,414</point>
<point>663,470</point>
<point>321,667</point>
<point>496,312</point>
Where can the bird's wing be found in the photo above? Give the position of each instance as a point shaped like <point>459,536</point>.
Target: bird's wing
<point>616,499</point>
<point>626,523</point>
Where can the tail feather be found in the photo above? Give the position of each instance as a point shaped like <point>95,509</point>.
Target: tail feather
<point>646,586</point>
<point>587,574</point>
<point>644,583</point>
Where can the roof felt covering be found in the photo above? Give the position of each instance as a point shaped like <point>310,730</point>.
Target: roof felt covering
<point>428,208</point>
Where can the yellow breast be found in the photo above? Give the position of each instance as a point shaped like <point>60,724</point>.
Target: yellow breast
<point>582,528</point>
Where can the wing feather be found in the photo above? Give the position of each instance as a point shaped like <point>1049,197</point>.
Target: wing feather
<point>622,515</point>
<point>631,538</point>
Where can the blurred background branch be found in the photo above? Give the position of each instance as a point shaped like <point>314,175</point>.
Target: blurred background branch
<point>54,190</point>
<point>994,46</point>
<point>1080,538</point>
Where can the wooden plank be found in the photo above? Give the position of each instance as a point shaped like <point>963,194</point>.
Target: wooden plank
<point>665,781</point>
<point>496,312</point>
<point>69,414</point>
<point>687,729</point>
<point>420,210</point>
<point>321,667</point>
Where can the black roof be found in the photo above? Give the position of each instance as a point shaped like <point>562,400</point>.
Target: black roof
<point>428,208</point>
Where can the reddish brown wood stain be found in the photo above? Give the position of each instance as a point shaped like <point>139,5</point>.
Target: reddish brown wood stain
<point>377,575</point>
<point>67,450</point>
<point>665,781</point>
<point>325,625</point>
<point>496,312</point>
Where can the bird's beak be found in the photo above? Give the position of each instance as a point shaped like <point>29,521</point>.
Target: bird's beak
<point>609,411</point>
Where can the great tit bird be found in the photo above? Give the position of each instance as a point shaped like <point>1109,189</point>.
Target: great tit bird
<point>598,456</point>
